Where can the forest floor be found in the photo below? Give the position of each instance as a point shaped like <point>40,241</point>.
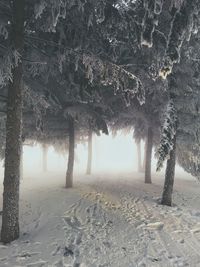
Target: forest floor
<point>105,221</point>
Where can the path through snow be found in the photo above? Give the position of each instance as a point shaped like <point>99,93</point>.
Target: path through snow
<point>105,222</point>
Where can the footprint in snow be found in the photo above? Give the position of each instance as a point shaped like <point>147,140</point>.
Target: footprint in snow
<point>72,222</point>
<point>155,226</point>
<point>37,264</point>
<point>68,252</point>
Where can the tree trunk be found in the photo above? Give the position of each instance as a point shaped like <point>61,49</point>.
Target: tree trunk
<point>21,163</point>
<point>169,177</point>
<point>139,156</point>
<point>89,161</point>
<point>10,217</point>
<point>144,159</point>
<point>44,157</point>
<point>70,167</point>
<point>148,156</point>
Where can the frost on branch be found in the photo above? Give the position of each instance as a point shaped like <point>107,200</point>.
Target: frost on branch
<point>100,11</point>
<point>51,10</point>
<point>37,103</point>
<point>3,30</point>
<point>167,135</point>
<point>152,9</point>
<point>189,158</point>
<point>178,33</point>
<point>39,8</point>
<point>7,63</point>
<point>111,74</point>
<point>87,113</point>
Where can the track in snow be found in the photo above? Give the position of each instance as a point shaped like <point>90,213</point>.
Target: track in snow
<point>105,223</point>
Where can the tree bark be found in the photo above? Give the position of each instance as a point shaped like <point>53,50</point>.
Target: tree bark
<point>44,157</point>
<point>10,216</point>
<point>144,159</point>
<point>89,160</point>
<point>169,177</point>
<point>70,167</point>
<point>148,156</point>
<point>21,163</point>
<point>139,156</point>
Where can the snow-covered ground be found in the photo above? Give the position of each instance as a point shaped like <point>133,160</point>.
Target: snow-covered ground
<point>105,220</point>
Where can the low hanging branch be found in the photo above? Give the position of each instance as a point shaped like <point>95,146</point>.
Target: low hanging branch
<point>168,133</point>
<point>101,71</point>
<point>37,102</point>
<point>108,73</point>
<point>181,24</point>
<point>153,8</point>
<point>84,110</point>
<point>189,159</point>
<point>8,61</point>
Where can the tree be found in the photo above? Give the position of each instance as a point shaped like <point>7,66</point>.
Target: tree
<point>167,148</point>
<point>169,176</point>
<point>11,75</point>
<point>148,155</point>
<point>22,162</point>
<point>89,159</point>
<point>181,123</point>
<point>82,113</point>
<point>80,47</point>
<point>138,143</point>
<point>182,27</point>
<point>70,166</point>
<point>44,157</point>
<point>10,217</point>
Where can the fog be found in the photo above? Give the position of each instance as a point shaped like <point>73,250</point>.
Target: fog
<point>110,155</point>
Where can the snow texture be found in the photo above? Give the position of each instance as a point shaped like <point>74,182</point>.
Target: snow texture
<point>107,221</point>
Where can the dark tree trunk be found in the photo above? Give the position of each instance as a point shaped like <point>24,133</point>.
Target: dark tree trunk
<point>144,159</point>
<point>44,157</point>
<point>10,216</point>
<point>89,161</point>
<point>139,156</point>
<point>70,167</point>
<point>148,156</point>
<point>21,163</point>
<point>169,177</point>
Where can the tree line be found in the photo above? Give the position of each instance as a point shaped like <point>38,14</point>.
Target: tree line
<point>89,66</point>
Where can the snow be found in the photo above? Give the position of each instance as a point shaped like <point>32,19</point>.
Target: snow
<point>105,220</point>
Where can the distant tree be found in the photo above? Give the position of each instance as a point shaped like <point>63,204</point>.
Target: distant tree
<point>44,157</point>
<point>89,159</point>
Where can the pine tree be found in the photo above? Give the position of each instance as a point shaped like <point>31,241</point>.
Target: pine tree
<point>10,217</point>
